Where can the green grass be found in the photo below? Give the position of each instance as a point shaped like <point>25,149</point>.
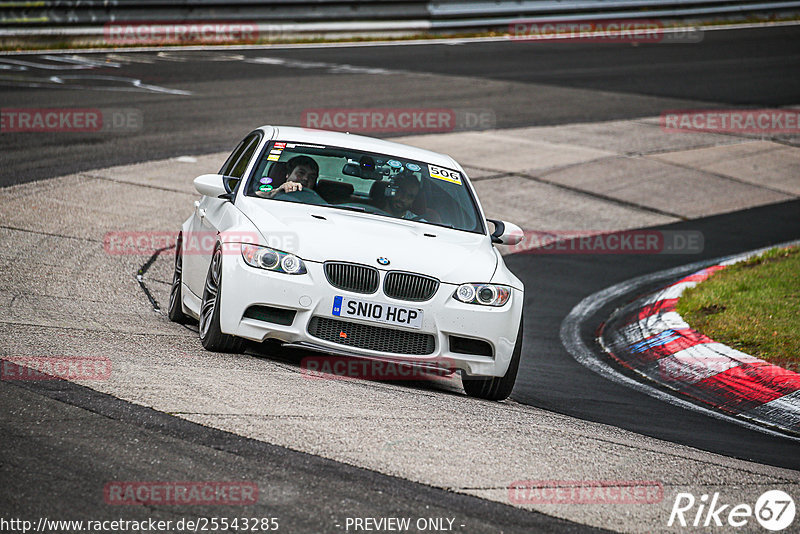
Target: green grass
<point>752,306</point>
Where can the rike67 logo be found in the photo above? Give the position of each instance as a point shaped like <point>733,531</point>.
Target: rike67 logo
<point>774,510</point>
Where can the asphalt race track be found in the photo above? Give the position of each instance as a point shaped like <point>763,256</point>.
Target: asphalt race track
<point>306,493</point>
<point>200,102</point>
<point>523,84</point>
<point>550,378</point>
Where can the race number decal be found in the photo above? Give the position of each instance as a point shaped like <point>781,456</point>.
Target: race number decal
<point>444,174</point>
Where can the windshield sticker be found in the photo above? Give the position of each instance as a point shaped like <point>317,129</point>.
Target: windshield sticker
<point>444,174</point>
<point>281,145</point>
<point>273,157</point>
<point>266,180</point>
<point>276,151</point>
<point>393,163</point>
<point>413,167</point>
<point>265,188</point>
<point>306,146</point>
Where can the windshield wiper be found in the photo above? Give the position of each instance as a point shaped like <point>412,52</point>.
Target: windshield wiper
<point>364,210</point>
<point>444,225</point>
<point>349,208</point>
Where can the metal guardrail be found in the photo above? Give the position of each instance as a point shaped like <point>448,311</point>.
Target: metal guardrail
<point>62,13</point>
<point>76,18</point>
<point>463,8</point>
<point>621,9</point>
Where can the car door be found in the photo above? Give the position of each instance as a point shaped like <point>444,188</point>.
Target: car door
<point>209,215</point>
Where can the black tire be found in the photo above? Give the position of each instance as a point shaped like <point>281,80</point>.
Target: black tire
<point>496,388</point>
<point>211,336</point>
<point>175,308</point>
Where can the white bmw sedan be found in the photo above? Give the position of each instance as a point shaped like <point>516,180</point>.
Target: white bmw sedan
<point>351,246</point>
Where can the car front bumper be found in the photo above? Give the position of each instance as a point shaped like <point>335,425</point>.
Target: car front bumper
<point>311,295</point>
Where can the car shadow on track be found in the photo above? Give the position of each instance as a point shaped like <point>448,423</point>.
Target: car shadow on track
<point>292,358</point>
<point>362,371</point>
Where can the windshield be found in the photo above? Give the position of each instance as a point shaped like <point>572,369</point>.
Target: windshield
<point>378,184</point>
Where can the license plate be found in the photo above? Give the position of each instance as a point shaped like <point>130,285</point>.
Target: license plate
<point>377,312</point>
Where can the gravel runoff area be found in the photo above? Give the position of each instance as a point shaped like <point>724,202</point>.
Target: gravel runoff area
<point>601,176</point>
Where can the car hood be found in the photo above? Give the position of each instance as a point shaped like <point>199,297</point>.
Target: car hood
<point>321,234</point>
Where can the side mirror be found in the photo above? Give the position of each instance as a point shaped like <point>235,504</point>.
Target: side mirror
<point>506,233</point>
<point>211,185</point>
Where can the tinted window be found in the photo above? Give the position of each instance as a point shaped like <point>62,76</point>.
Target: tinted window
<point>240,157</point>
<point>234,157</point>
<point>250,143</point>
<point>237,162</point>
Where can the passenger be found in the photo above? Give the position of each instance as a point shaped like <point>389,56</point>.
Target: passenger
<point>407,189</point>
<point>302,171</point>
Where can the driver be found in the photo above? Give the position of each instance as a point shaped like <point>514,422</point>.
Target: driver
<point>302,171</point>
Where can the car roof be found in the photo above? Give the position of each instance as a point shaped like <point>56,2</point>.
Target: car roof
<point>359,142</point>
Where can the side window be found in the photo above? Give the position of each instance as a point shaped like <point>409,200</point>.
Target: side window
<point>240,157</point>
<point>238,160</point>
<point>250,144</point>
<point>234,157</point>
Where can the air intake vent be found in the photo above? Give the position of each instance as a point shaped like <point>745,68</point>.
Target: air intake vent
<point>409,286</point>
<point>465,345</point>
<point>270,315</point>
<point>371,337</point>
<point>352,277</point>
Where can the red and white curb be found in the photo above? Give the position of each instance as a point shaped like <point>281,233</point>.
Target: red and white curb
<point>650,338</point>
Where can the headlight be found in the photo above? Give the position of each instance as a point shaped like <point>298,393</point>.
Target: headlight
<point>272,260</point>
<point>486,294</point>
